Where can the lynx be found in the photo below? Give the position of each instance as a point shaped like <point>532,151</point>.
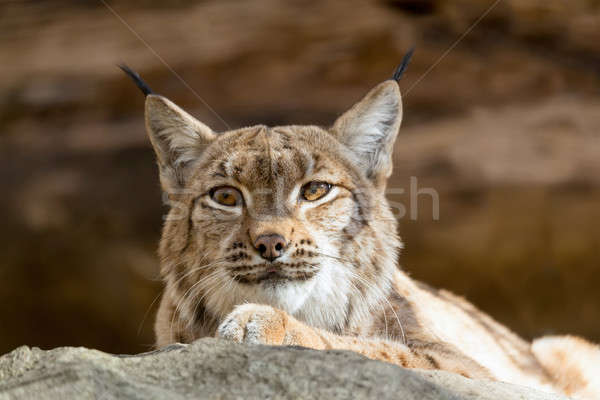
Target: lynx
<point>283,236</point>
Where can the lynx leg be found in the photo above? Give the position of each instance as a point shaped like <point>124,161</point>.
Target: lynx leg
<point>261,324</point>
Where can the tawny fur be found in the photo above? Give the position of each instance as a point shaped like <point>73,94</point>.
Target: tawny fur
<point>337,284</point>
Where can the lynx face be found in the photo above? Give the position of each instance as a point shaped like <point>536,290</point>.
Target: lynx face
<point>274,208</point>
<point>294,216</point>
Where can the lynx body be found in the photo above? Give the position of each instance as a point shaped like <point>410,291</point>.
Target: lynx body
<point>283,236</point>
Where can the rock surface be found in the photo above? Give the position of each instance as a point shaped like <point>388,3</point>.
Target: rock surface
<point>210,368</point>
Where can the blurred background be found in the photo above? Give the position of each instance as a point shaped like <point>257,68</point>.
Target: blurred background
<point>501,117</point>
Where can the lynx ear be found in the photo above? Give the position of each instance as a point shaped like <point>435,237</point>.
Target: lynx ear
<point>370,127</point>
<point>177,137</point>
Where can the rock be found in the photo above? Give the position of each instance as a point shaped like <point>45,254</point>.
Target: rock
<point>211,368</point>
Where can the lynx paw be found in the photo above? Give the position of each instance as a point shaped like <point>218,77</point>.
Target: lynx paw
<point>255,324</point>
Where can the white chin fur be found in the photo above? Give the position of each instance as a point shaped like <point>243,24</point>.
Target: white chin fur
<point>288,295</point>
<point>319,301</point>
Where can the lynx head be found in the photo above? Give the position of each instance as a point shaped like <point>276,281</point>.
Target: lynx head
<point>291,216</point>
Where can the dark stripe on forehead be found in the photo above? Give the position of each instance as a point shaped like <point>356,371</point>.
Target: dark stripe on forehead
<point>318,168</point>
<point>244,139</point>
<point>294,150</point>
<point>222,171</point>
<point>267,161</point>
<point>303,162</point>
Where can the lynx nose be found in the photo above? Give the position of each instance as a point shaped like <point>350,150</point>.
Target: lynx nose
<point>270,246</point>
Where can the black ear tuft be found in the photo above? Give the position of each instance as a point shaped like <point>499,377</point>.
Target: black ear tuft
<point>137,80</point>
<point>402,67</point>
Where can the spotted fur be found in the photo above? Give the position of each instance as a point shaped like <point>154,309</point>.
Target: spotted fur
<point>337,284</point>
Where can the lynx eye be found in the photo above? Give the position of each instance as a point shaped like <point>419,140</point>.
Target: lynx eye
<point>227,196</point>
<point>315,190</point>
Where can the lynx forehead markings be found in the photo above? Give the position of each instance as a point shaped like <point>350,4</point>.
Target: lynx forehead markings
<point>247,256</point>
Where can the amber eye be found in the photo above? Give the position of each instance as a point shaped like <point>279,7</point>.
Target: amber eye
<point>315,190</point>
<point>227,196</point>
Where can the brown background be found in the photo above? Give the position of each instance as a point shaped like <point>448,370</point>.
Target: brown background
<point>506,128</point>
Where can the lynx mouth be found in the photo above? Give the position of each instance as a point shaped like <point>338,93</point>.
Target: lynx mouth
<point>274,273</point>
<point>272,276</point>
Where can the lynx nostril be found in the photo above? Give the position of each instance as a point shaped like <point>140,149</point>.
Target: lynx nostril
<point>270,246</point>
